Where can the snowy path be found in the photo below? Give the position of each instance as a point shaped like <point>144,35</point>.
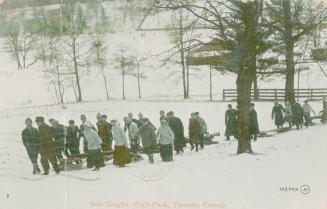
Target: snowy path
<point>215,175</point>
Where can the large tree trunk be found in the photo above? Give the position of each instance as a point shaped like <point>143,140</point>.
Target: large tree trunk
<point>289,52</point>
<point>255,88</point>
<point>246,74</point>
<point>79,98</point>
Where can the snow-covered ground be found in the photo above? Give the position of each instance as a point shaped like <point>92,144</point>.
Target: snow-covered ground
<point>215,176</point>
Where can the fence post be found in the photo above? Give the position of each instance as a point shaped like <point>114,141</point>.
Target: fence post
<point>275,94</point>
<point>258,94</point>
<point>223,94</point>
<point>311,94</point>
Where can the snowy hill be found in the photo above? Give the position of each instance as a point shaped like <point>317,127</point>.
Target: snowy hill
<point>212,178</point>
<point>287,170</point>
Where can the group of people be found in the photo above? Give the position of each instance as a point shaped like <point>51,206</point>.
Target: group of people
<point>295,114</point>
<point>54,141</point>
<point>292,114</point>
<point>231,122</point>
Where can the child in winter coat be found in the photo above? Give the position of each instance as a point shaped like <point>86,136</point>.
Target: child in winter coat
<point>307,109</point>
<point>288,114</point>
<point>166,140</point>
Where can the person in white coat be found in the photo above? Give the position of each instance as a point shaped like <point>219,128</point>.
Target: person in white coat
<point>121,152</point>
<point>133,133</point>
<point>166,138</point>
<point>307,109</point>
<point>94,142</point>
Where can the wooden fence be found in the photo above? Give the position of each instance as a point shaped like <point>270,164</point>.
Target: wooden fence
<point>279,94</point>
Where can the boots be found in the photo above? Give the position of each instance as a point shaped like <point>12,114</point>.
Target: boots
<point>57,171</point>
<point>36,170</point>
<point>46,173</point>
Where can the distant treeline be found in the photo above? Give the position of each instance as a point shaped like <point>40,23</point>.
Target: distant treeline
<point>15,4</point>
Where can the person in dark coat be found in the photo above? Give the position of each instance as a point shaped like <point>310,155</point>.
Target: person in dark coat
<point>253,123</point>
<point>148,136</point>
<point>30,141</point>
<point>45,137</point>
<point>277,113</point>
<point>140,121</point>
<point>58,131</point>
<point>104,131</point>
<point>131,118</point>
<point>73,140</point>
<point>177,127</point>
<point>204,129</point>
<point>230,122</point>
<point>194,130</point>
<point>297,113</point>
<point>324,111</point>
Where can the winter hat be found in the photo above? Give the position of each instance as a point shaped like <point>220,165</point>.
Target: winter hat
<point>39,119</point>
<point>28,119</point>
<point>71,121</point>
<point>114,120</point>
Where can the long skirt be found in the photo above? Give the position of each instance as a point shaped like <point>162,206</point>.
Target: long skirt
<point>95,158</point>
<point>166,152</point>
<point>121,156</point>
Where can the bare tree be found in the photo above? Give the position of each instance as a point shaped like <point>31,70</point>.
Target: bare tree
<point>237,23</point>
<point>135,62</point>
<point>292,20</point>
<point>75,42</point>
<point>19,36</point>
<point>99,43</point>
